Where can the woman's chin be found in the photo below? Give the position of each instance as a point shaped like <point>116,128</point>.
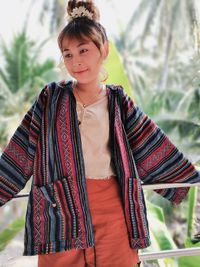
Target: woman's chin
<point>83,80</point>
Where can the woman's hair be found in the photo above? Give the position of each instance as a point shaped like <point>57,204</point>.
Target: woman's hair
<point>83,27</point>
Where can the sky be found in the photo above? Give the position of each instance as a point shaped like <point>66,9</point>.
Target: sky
<point>13,14</point>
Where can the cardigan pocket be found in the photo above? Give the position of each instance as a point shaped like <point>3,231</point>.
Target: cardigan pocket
<point>54,216</point>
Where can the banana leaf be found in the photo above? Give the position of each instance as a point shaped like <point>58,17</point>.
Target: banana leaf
<point>10,232</point>
<point>160,236</point>
<point>116,71</point>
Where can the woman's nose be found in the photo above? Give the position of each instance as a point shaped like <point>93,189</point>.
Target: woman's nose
<point>77,64</point>
<point>77,61</point>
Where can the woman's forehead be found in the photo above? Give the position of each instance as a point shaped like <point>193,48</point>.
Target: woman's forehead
<point>68,43</point>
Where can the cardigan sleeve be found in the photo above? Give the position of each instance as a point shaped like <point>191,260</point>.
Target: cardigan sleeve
<point>16,161</point>
<point>157,159</point>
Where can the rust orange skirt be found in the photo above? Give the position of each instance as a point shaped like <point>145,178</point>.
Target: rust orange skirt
<point>111,236</point>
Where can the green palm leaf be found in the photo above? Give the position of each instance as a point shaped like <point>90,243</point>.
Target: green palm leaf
<point>116,71</point>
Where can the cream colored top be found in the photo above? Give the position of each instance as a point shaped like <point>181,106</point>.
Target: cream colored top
<point>94,130</point>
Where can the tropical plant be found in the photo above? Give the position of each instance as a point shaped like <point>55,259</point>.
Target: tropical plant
<point>160,236</point>
<point>53,11</point>
<point>193,226</point>
<point>21,78</point>
<point>155,37</point>
<point>161,58</point>
<point>116,72</point>
<point>10,232</point>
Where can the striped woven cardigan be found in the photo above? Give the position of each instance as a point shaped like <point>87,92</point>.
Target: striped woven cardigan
<point>47,147</point>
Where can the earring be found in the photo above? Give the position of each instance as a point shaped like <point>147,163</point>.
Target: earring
<point>63,73</point>
<point>104,74</point>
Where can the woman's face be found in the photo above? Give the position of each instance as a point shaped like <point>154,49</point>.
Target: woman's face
<point>82,59</point>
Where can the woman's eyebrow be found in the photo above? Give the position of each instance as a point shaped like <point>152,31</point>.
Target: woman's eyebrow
<point>83,43</point>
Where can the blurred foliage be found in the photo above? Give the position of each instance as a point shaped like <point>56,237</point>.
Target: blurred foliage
<point>160,235</point>
<point>115,69</point>
<point>160,50</point>
<point>54,11</point>
<point>23,67</point>
<point>21,78</point>
<point>10,232</point>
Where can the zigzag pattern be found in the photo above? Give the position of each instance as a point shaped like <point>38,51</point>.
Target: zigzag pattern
<point>18,155</point>
<point>65,135</point>
<point>37,225</point>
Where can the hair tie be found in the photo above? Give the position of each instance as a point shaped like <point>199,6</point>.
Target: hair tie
<point>79,12</point>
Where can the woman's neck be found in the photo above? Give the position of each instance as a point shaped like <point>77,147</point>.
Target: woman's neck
<point>88,88</point>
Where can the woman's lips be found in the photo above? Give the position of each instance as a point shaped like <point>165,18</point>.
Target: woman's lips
<point>79,72</point>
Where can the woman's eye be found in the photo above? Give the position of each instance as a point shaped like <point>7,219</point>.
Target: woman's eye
<point>67,55</point>
<point>83,51</point>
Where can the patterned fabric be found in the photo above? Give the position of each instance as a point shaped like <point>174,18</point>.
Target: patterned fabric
<point>47,146</point>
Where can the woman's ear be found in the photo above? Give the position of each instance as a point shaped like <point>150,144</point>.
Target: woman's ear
<point>105,50</point>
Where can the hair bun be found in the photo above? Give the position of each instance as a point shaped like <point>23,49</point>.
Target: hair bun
<point>89,6</point>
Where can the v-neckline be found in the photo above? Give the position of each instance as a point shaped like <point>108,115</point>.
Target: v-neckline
<point>105,91</point>
<point>95,102</point>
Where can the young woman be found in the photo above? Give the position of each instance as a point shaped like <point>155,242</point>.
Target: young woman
<point>88,147</point>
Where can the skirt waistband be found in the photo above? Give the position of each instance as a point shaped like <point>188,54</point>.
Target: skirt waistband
<point>101,178</point>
